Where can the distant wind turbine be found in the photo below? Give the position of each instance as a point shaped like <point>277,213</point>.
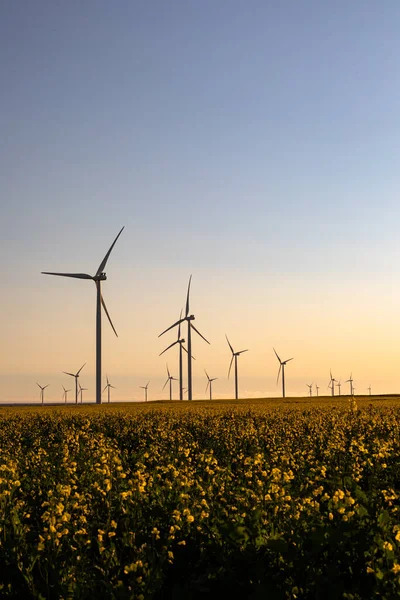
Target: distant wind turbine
<point>97,278</point>
<point>331,384</point>
<point>339,385</point>
<point>234,359</point>
<point>76,375</point>
<point>81,390</point>
<point>179,341</point>
<point>209,383</point>
<point>369,389</point>
<point>42,388</point>
<point>282,364</point>
<point>350,380</point>
<point>317,388</point>
<point>170,379</point>
<point>309,385</point>
<point>64,396</point>
<point>108,386</point>
<point>144,387</point>
<point>189,318</point>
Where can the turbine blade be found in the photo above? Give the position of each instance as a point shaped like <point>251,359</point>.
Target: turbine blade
<point>105,259</point>
<point>208,383</point>
<point>206,375</point>
<point>113,387</point>
<point>80,369</point>
<point>214,379</point>
<point>179,326</point>
<point>172,326</point>
<point>75,275</point>
<point>198,332</point>
<point>229,344</point>
<point>241,351</point>
<point>170,346</point>
<point>169,374</point>
<point>230,366</point>
<point>72,374</point>
<point>286,361</point>
<point>147,384</point>
<point>277,356</point>
<point>104,389</point>
<point>106,311</point>
<point>187,297</point>
<point>39,385</point>
<point>279,372</point>
<point>183,348</point>
<point>165,384</point>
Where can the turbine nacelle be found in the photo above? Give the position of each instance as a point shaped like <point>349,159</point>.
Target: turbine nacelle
<point>100,277</point>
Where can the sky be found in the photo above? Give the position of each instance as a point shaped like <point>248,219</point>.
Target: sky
<point>254,145</point>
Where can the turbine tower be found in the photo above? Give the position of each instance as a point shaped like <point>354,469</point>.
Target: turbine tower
<point>369,389</point>
<point>317,388</point>
<point>179,341</point>
<point>234,358</point>
<point>81,390</point>
<point>189,318</point>
<point>144,387</point>
<point>309,385</point>
<point>42,388</point>
<point>331,384</point>
<point>64,396</point>
<point>209,383</point>
<point>170,379</point>
<point>350,380</point>
<point>282,364</point>
<point>76,375</point>
<point>108,386</point>
<point>339,385</point>
<point>97,278</point>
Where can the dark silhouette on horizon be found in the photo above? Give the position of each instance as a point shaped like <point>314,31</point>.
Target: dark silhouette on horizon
<point>179,341</point>
<point>144,387</point>
<point>282,364</point>
<point>42,388</point>
<point>209,383</point>
<point>76,375</point>
<point>108,386</point>
<point>170,379</point>
<point>65,394</point>
<point>234,359</point>
<point>331,384</point>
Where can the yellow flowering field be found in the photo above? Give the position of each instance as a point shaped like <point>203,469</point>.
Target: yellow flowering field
<point>249,499</point>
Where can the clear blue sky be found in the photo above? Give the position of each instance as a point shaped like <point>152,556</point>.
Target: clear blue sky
<point>255,144</point>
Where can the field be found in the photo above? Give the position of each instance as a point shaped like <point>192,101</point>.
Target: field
<point>251,499</point>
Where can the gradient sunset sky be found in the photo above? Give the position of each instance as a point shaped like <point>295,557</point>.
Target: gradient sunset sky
<point>252,144</point>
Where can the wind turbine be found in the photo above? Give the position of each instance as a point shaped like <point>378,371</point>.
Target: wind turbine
<point>350,380</point>
<point>144,387</point>
<point>108,386</point>
<point>64,396</point>
<point>42,388</point>
<point>282,364</point>
<point>331,384</point>
<point>317,388</point>
<point>179,341</point>
<point>309,385</point>
<point>210,380</point>
<point>81,390</point>
<point>170,379</point>
<point>97,278</point>
<point>234,358</point>
<point>76,375</point>
<point>189,319</point>
<point>339,385</point>
<point>369,389</point>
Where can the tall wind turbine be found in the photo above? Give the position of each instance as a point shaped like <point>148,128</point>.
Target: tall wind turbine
<point>179,341</point>
<point>339,386</point>
<point>144,387</point>
<point>350,380</point>
<point>97,278</point>
<point>282,364</point>
<point>42,388</point>
<point>81,390</point>
<point>309,385</point>
<point>189,318</point>
<point>317,388</point>
<point>369,389</point>
<point>76,375</point>
<point>209,383</point>
<point>64,396</point>
<point>108,386</point>
<point>331,384</point>
<point>170,379</point>
<point>234,358</point>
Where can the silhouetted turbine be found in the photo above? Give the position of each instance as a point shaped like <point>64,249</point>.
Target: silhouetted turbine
<point>369,389</point>
<point>81,390</point>
<point>339,386</point>
<point>282,365</point>
<point>170,379</point>
<point>189,319</point>
<point>317,388</point>
<point>144,387</point>
<point>209,383</point>
<point>234,358</point>
<point>350,380</point>
<point>97,278</point>
<point>309,385</point>
<point>76,375</point>
<point>64,396</point>
<point>42,388</point>
<point>331,384</point>
<point>108,386</point>
<point>181,347</point>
